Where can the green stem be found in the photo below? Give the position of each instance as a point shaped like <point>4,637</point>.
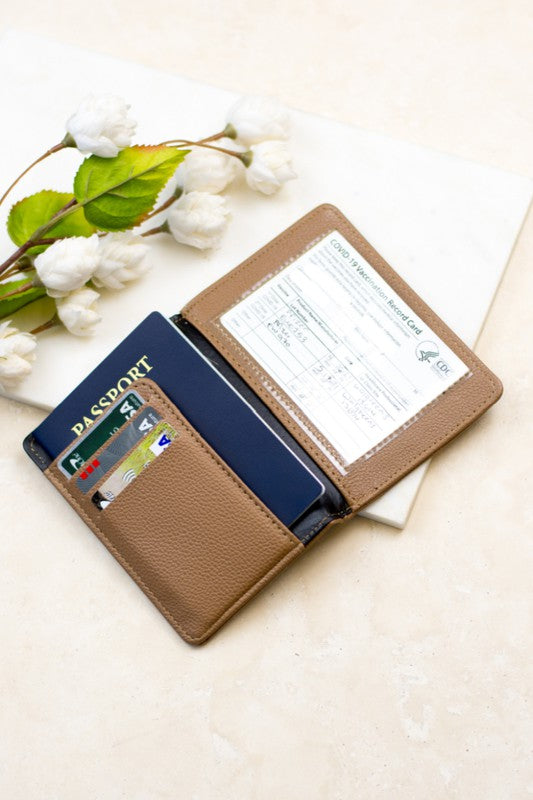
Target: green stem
<point>202,143</point>
<point>70,204</point>
<point>229,132</point>
<point>160,229</point>
<point>163,206</point>
<point>16,268</point>
<point>18,291</point>
<point>46,325</point>
<point>49,152</point>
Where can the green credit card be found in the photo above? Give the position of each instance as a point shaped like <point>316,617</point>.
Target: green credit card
<point>119,413</point>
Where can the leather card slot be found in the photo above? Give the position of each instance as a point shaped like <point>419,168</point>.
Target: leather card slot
<point>194,538</point>
<point>73,482</point>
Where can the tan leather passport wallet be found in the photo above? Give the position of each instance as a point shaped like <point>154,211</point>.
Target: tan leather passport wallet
<point>346,363</point>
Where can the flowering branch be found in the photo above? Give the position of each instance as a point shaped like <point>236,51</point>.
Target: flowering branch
<point>70,244</point>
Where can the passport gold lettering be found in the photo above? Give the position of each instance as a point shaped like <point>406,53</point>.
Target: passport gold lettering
<point>139,370</point>
<point>123,382</point>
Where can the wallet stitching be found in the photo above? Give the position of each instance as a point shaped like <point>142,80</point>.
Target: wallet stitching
<point>249,592</point>
<point>149,592</point>
<point>154,390</point>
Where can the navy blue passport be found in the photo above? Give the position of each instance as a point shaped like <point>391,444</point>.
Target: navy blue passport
<point>158,350</point>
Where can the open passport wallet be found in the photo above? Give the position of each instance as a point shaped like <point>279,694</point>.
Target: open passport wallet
<point>208,451</point>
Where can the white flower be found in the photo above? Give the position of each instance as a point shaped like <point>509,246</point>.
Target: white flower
<point>206,170</point>
<point>198,219</point>
<point>67,264</point>
<point>270,167</point>
<point>256,119</point>
<point>16,354</point>
<point>77,311</point>
<point>101,125</point>
<point>120,260</point>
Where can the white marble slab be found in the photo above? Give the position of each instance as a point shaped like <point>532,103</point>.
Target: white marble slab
<point>445,224</point>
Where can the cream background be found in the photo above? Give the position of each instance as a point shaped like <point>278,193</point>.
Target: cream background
<point>383,664</point>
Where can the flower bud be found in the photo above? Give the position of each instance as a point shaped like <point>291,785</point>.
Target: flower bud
<point>101,126</point>
<point>256,119</point>
<point>270,167</point>
<point>77,311</point>
<point>198,219</point>
<point>205,170</point>
<point>121,257</point>
<point>67,264</point>
<point>16,355</point>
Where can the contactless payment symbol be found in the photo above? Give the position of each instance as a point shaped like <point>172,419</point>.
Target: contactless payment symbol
<point>426,351</point>
<point>129,476</point>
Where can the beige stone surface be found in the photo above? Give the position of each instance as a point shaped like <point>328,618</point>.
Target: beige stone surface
<point>383,664</point>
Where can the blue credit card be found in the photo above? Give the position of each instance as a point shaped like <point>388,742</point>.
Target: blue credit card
<point>158,350</point>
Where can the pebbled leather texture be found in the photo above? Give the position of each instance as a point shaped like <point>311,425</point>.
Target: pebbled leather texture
<point>435,425</point>
<point>187,530</point>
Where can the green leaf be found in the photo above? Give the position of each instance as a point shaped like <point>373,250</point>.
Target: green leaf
<point>9,305</point>
<point>29,214</point>
<point>118,193</point>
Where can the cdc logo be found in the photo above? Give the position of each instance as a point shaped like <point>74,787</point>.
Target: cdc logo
<point>429,351</point>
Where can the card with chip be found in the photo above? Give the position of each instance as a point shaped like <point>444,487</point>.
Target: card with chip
<point>149,448</point>
<point>142,423</point>
<point>99,432</point>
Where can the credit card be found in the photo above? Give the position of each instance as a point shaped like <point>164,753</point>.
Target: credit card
<point>141,424</point>
<point>147,451</point>
<point>108,424</point>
